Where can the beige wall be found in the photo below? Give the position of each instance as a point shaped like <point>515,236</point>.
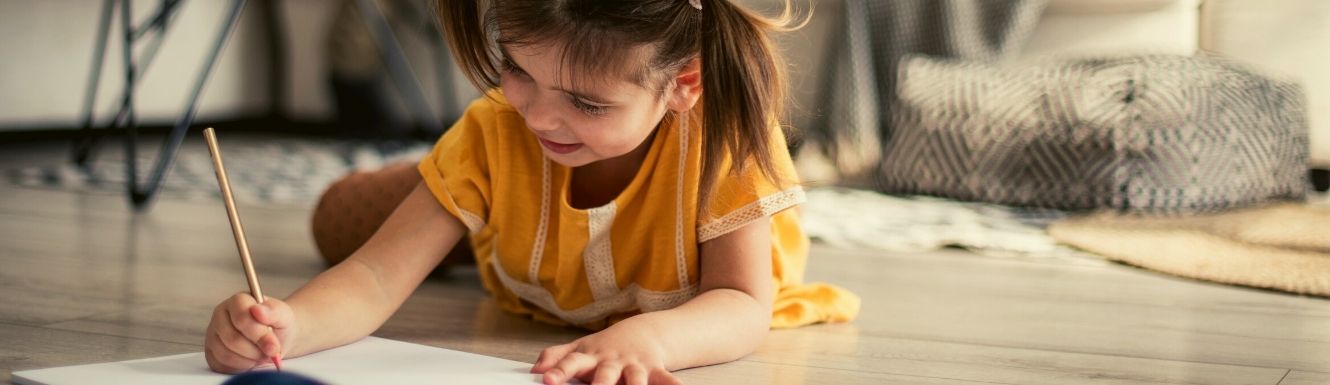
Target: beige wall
<point>47,48</point>
<point>1288,38</point>
<point>46,55</point>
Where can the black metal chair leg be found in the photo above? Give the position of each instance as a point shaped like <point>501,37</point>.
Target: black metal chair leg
<point>87,138</point>
<point>140,195</point>
<point>127,103</point>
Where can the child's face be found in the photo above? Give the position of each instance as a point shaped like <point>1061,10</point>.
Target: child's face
<point>576,127</point>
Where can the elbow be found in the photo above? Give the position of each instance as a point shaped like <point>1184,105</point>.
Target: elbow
<point>759,305</point>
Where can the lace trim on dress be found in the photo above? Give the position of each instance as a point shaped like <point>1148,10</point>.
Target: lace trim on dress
<point>628,299</point>
<point>762,208</point>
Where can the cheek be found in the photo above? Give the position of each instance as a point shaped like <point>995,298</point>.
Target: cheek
<point>617,136</point>
<point>515,90</point>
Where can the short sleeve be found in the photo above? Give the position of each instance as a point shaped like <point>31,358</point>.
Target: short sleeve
<point>740,199</point>
<point>457,170</point>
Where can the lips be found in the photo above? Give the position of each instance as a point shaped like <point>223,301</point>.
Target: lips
<point>559,148</point>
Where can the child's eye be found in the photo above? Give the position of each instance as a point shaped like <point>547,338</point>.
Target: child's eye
<point>512,68</point>
<point>588,108</point>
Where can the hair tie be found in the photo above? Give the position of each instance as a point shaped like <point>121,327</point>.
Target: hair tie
<point>696,4</point>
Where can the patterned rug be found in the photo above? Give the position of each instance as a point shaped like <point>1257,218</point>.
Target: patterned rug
<point>262,170</point>
<point>862,219</point>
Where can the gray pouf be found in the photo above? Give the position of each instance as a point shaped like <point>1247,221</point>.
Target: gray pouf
<point>1158,133</point>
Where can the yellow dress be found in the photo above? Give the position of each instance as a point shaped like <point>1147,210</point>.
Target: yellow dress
<point>539,256</point>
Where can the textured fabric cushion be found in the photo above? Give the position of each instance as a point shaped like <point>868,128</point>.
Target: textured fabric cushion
<point>1145,133</point>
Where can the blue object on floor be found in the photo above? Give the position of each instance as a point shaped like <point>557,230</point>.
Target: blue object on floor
<point>270,377</point>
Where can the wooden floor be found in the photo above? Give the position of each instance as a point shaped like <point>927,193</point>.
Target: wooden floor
<point>83,279</point>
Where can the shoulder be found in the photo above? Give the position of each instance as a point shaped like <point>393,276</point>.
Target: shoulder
<point>488,121</point>
<point>488,108</point>
<point>742,195</point>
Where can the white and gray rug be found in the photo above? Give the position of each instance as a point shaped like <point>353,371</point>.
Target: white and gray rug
<point>862,219</point>
<point>262,170</point>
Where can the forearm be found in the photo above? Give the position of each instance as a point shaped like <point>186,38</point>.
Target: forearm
<point>339,306</point>
<point>717,326</point>
<point>355,297</point>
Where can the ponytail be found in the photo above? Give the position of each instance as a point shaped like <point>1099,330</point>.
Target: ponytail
<point>743,83</point>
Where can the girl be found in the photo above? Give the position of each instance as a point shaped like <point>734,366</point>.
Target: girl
<point>625,173</point>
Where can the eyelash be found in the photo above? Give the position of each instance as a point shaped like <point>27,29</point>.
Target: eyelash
<point>586,108</point>
<point>510,67</point>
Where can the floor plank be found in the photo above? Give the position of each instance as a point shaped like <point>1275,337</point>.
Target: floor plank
<point>167,323</point>
<point>1298,377</point>
<point>838,347</point>
<point>746,372</point>
<point>27,347</point>
<point>1112,310</point>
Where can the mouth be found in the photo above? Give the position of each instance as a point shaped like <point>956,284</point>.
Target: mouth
<point>559,148</point>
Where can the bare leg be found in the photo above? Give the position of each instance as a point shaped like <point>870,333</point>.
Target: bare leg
<point>353,208</point>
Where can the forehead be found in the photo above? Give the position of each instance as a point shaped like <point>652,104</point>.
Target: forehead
<point>583,65</point>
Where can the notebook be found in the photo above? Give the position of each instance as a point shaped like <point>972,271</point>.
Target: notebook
<point>369,361</point>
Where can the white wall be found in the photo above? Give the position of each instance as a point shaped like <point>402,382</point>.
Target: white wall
<point>1098,27</point>
<point>46,55</point>
<point>1289,38</point>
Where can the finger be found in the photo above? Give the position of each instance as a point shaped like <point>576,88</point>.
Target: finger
<point>660,376</point>
<point>608,373</point>
<point>573,365</point>
<point>277,315</point>
<point>274,313</point>
<point>223,360</point>
<point>550,356</point>
<point>270,346</point>
<point>238,311</point>
<point>635,374</point>
<point>232,339</point>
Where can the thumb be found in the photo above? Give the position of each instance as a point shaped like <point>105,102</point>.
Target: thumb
<point>273,312</point>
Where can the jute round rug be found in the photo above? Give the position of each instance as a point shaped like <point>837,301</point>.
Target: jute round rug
<point>1282,246</point>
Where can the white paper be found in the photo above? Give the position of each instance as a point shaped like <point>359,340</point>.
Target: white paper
<point>369,361</point>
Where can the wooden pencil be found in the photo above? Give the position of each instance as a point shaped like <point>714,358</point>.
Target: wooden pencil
<point>236,229</point>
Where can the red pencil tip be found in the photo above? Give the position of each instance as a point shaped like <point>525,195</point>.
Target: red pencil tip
<point>277,361</point>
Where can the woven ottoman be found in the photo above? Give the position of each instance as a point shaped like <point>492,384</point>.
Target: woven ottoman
<point>1150,134</point>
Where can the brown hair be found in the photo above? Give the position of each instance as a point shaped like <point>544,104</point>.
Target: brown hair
<point>743,78</point>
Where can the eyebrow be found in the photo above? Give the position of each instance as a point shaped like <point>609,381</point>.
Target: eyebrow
<point>581,95</point>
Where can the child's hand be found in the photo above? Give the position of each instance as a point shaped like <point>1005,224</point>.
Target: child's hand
<point>244,334</point>
<point>605,358</point>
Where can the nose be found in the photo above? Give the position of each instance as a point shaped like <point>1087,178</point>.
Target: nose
<point>541,114</point>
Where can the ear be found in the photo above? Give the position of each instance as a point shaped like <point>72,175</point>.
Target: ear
<point>687,87</point>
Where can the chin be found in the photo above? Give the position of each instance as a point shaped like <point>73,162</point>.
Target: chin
<point>568,160</point>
